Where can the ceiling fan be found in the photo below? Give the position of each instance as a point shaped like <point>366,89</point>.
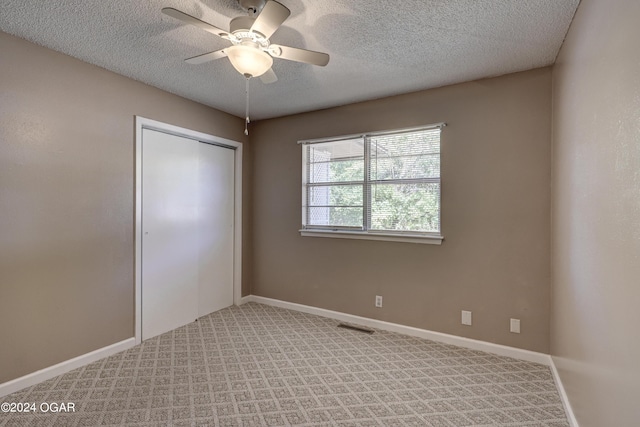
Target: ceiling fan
<point>251,52</point>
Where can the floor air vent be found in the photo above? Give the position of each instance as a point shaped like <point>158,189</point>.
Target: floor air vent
<point>355,328</point>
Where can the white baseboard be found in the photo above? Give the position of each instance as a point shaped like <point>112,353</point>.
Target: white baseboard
<point>64,367</point>
<point>573,422</point>
<point>246,299</point>
<point>502,350</point>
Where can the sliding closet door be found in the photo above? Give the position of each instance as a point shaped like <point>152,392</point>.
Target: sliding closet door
<point>216,212</point>
<point>170,232</point>
<point>187,253</point>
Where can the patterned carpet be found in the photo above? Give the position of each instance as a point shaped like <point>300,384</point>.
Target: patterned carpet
<point>257,365</point>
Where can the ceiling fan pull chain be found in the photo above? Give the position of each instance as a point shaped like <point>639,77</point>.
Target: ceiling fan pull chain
<point>246,111</point>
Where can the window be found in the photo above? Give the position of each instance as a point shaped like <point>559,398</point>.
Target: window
<point>383,186</point>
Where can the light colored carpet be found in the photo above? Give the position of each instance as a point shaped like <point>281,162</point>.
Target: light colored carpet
<point>258,365</point>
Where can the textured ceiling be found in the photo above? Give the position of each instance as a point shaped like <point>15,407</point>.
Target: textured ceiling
<point>377,48</point>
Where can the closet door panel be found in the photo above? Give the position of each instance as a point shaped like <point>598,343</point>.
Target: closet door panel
<point>170,232</point>
<point>216,175</point>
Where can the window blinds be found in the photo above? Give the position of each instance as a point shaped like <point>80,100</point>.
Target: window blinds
<point>404,181</point>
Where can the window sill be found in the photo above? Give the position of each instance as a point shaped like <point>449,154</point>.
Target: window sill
<point>389,237</point>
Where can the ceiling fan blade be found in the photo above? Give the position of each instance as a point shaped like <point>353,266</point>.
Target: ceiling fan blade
<point>206,57</point>
<point>272,16</point>
<point>269,77</point>
<point>301,55</point>
<point>188,19</point>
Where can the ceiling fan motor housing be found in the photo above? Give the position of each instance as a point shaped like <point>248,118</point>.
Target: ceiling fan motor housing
<point>241,24</point>
<point>242,34</point>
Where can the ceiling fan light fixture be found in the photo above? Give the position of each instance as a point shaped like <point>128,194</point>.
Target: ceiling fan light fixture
<point>249,60</point>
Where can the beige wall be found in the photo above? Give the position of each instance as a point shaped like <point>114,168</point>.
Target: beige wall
<point>67,201</point>
<point>596,213</point>
<point>495,215</point>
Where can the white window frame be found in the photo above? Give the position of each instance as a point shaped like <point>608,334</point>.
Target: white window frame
<point>365,233</point>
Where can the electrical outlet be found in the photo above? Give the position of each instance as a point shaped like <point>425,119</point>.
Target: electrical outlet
<point>466,318</point>
<point>515,326</point>
<point>378,301</point>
